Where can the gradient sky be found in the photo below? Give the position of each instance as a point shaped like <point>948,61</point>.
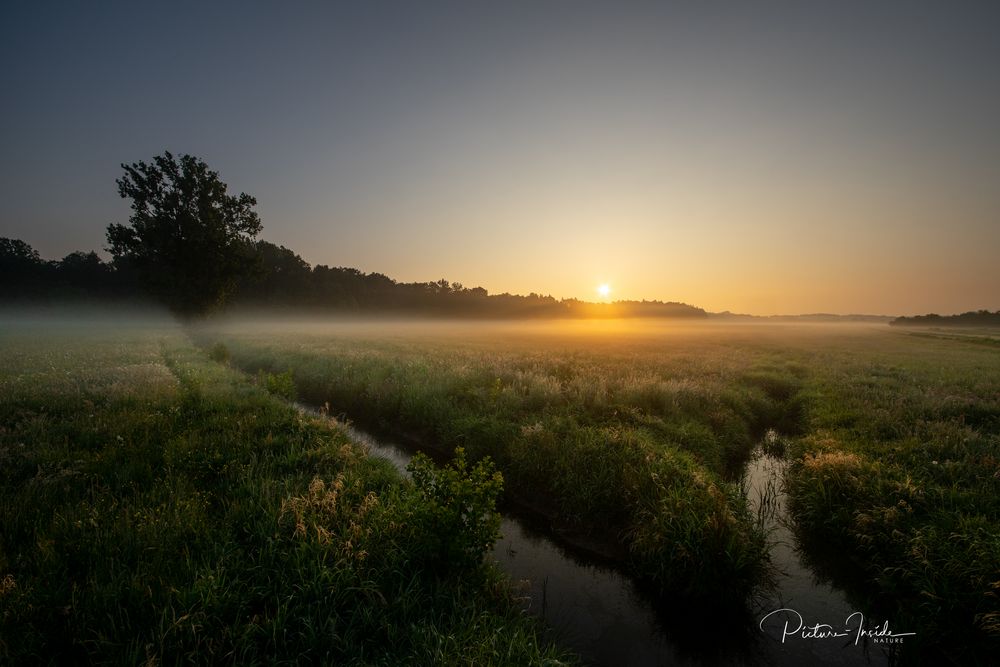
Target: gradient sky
<point>761,157</point>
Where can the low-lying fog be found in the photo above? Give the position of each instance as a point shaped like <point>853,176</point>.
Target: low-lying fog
<point>588,331</point>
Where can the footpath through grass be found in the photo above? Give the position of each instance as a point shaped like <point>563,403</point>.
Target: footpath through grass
<point>157,507</point>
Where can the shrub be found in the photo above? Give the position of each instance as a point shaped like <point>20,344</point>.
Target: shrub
<point>457,517</point>
<point>278,384</point>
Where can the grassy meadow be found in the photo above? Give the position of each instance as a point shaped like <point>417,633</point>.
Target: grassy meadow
<point>159,507</point>
<point>630,438</point>
<point>162,501</point>
<point>628,448</point>
<point>899,471</point>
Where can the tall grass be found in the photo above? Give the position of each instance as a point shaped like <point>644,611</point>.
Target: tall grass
<point>157,507</point>
<point>901,475</point>
<point>635,436</point>
<point>637,447</point>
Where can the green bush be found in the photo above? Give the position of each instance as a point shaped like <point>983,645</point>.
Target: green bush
<point>457,512</point>
<point>278,384</point>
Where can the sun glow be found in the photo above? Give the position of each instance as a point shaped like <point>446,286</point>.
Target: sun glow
<point>604,290</point>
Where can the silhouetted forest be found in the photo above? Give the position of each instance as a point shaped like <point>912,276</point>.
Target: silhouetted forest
<point>27,278</point>
<point>287,282</point>
<point>973,318</point>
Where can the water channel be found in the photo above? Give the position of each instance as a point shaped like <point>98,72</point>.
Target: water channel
<point>603,616</point>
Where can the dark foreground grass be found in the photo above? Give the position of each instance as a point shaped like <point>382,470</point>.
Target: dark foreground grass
<point>157,507</point>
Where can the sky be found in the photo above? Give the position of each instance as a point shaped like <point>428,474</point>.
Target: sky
<point>754,157</point>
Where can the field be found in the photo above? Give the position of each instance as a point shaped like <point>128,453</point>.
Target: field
<point>162,500</point>
<point>158,507</point>
<point>629,438</point>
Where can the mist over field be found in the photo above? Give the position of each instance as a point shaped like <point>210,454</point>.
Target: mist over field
<point>585,330</point>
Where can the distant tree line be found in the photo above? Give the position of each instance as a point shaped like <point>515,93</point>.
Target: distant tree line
<point>289,281</point>
<point>193,247</point>
<point>973,318</point>
<point>27,278</point>
<point>284,281</point>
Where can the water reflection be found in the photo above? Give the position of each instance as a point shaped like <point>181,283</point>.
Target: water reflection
<point>797,587</point>
<point>595,611</point>
<point>608,619</point>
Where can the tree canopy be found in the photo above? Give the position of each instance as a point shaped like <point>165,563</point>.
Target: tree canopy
<point>973,318</point>
<point>187,240</point>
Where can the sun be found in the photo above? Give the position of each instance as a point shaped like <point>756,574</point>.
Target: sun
<point>604,290</point>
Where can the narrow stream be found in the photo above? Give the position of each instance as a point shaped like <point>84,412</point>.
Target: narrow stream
<point>591,609</point>
<point>797,587</point>
<point>602,615</point>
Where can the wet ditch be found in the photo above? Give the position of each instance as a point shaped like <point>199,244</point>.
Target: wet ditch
<point>595,609</point>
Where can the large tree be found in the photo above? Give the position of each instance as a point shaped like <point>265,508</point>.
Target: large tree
<point>187,239</point>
